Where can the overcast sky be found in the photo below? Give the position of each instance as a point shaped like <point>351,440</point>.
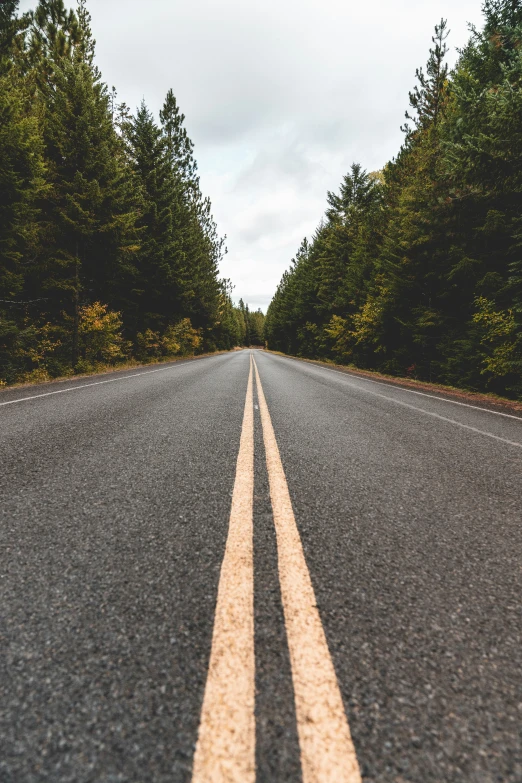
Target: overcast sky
<point>280,97</point>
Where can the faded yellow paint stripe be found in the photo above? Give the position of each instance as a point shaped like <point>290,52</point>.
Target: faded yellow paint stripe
<point>225,750</point>
<point>327,751</point>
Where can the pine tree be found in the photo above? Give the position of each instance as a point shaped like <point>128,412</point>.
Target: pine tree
<point>428,279</point>
<point>484,165</point>
<point>88,221</point>
<point>200,248</point>
<point>246,319</point>
<point>101,214</point>
<point>54,33</point>
<point>257,322</point>
<point>428,96</point>
<point>8,30</point>
<point>21,185</point>
<point>343,268</point>
<point>179,146</point>
<point>85,48</point>
<point>158,285</point>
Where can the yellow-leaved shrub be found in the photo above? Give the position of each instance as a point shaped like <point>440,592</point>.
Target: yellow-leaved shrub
<point>180,339</point>
<point>498,338</point>
<point>100,336</point>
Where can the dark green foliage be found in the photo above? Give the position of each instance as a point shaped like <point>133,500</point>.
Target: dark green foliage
<point>179,147</point>
<point>105,238</point>
<point>88,220</point>
<point>427,97</point>
<point>251,325</point>
<point>417,270</point>
<point>8,29</point>
<point>156,280</point>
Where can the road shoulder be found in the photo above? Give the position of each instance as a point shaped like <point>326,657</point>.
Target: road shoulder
<point>486,401</point>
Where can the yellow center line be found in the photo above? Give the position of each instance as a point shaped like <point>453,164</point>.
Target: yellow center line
<point>327,751</point>
<point>225,750</point>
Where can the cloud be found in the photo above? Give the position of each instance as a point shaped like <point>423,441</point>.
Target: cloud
<point>280,98</point>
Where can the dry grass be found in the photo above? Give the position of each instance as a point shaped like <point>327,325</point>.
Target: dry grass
<point>108,369</point>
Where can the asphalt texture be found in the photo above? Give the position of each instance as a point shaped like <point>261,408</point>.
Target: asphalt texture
<point>114,507</point>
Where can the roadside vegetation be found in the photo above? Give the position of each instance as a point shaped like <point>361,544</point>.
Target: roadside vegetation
<point>108,249</point>
<point>416,270</point>
<point>251,325</point>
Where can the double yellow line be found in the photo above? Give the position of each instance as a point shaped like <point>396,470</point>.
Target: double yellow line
<point>225,750</point>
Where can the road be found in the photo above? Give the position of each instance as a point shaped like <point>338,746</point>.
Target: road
<point>316,574</point>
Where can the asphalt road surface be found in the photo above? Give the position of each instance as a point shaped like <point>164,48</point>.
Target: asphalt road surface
<point>210,575</point>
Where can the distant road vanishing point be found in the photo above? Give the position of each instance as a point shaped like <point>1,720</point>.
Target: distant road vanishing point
<point>247,568</point>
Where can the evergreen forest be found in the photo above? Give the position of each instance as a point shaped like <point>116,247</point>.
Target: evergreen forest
<point>416,270</point>
<point>108,249</point>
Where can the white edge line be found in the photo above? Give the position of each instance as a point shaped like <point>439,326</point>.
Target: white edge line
<point>449,421</point>
<point>96,383</point>
<point>402,388</point>
<point>437,415</point>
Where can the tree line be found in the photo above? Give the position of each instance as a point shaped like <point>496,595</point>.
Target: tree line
<point>251,325</point>
<point>108,249</point>
<point>416,270</point>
